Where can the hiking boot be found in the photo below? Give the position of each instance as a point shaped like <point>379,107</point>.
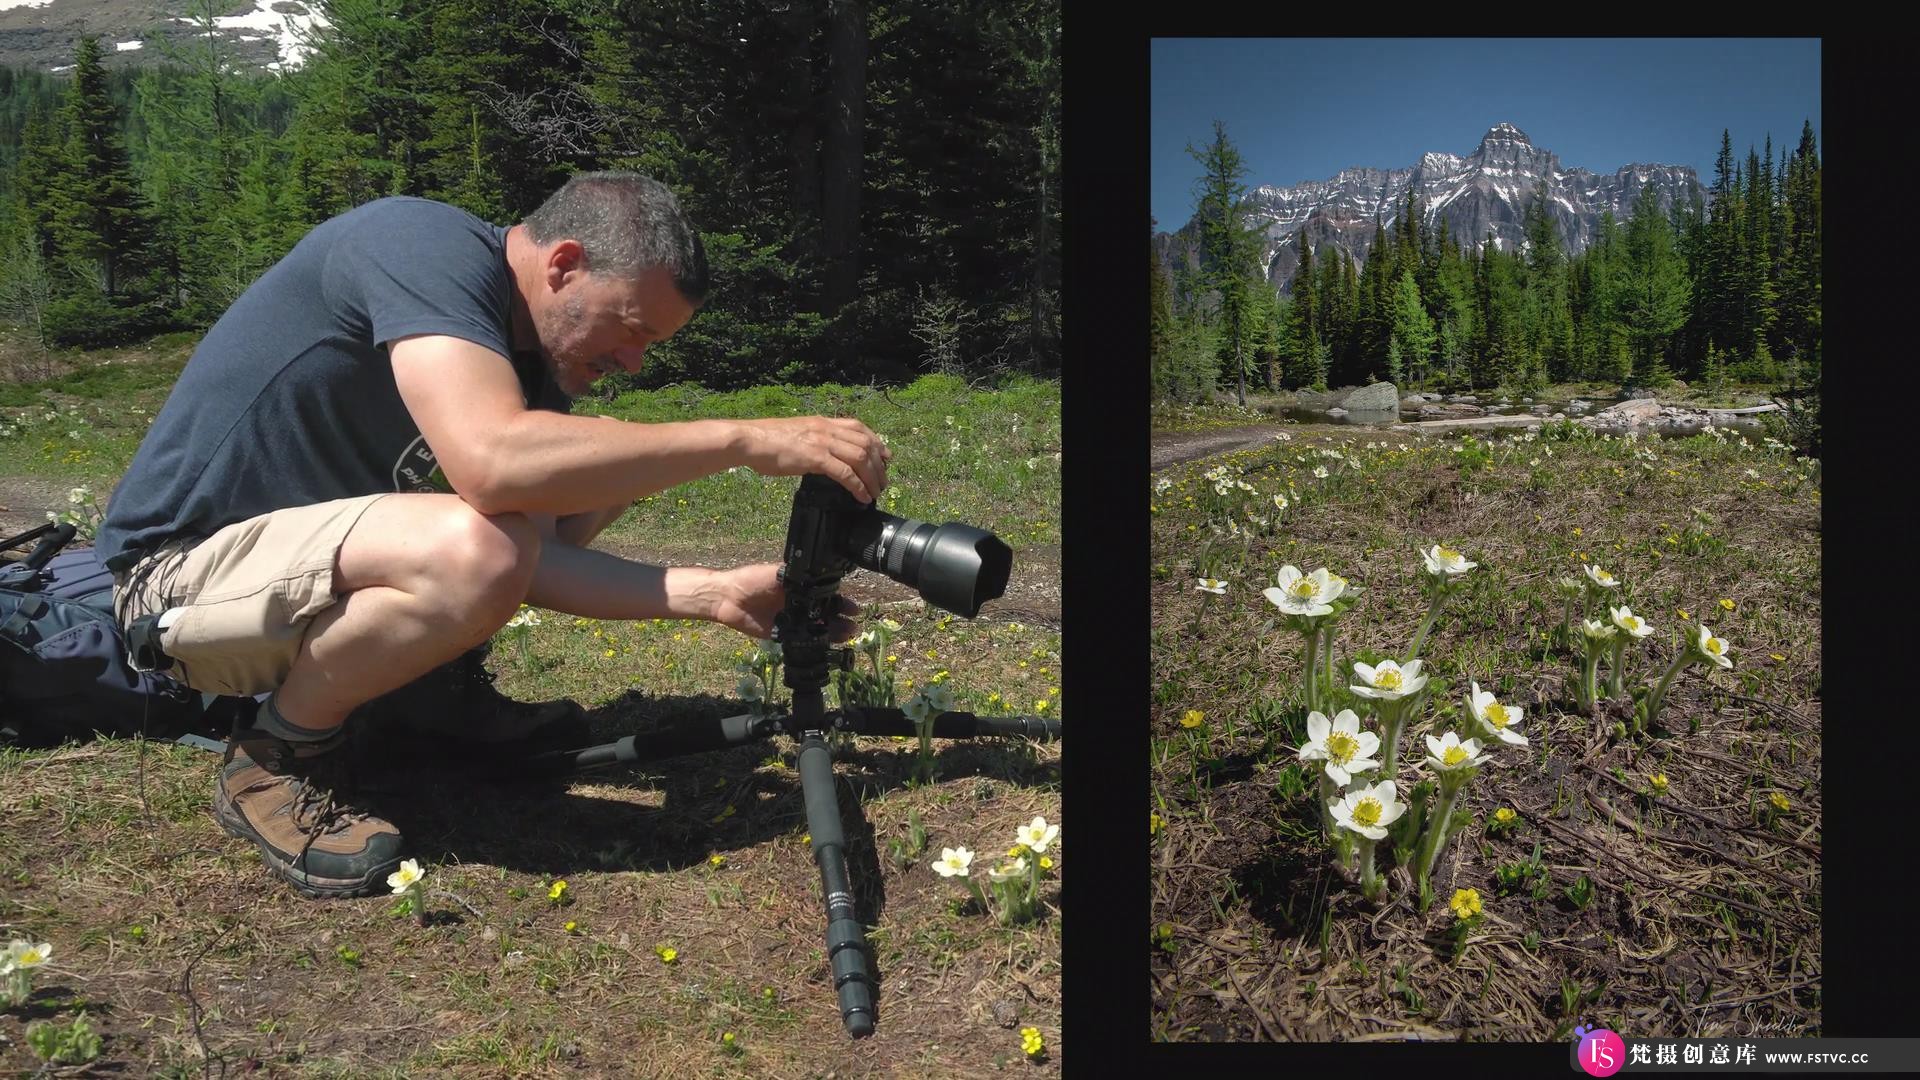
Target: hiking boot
<point>296,803</point>
<point>457,706</point>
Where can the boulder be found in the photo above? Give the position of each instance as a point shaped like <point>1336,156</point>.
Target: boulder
<point>1631,411</point>
<point>1540,410</point>
<point>1380,397</point>
<point>1558,416</point>
<point>1577,407</point>
<point>1454,411</point>
<point>1336,412</point>
<point>1635,393</point>
<point>1464,399</point>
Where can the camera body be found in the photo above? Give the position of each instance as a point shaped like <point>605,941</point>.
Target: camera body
<point>954,567</point>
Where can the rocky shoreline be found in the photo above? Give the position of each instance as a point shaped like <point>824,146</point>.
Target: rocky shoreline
<point>1638,410</point>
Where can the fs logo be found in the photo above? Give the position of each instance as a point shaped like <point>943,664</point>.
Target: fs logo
<point>1600,1052</point>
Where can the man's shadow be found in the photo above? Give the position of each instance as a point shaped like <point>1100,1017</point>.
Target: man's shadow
<point>660,815</point>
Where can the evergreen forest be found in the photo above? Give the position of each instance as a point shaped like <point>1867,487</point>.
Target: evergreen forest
<point>877,183</point>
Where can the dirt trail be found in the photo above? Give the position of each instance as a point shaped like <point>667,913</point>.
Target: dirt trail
<point>1174,448</point>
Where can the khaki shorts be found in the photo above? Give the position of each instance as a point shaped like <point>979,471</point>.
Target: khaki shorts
<point>248,592</point>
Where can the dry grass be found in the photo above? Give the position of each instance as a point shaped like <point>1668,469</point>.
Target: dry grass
<point>1704,917</point>
<point>191,960</point>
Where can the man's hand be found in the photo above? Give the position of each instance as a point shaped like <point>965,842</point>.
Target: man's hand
<point>844,450</point>
<point>747,599</point>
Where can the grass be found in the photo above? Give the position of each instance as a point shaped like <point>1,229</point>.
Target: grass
<point>188,957</point>
<point>990,458</point>
<point>1620,904</point>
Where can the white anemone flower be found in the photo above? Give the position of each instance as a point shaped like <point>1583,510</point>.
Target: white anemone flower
<point>1389,681</point>
<point>1445,562</point>
<point>1037,835</point>
<point>1629,623</point>
<point>1711,648</point>
<point>1212,585</point>
<point>748,688</point>
<point>1368,810</point>
<point>1597,630</point>
<point>1306,594</point>
<point>25,954</point>
<point>1341,744</point>
<point>1006,871</point>
<point>1320,472</point>
<point>953,862</point>
<point>930,702</point>
<point>1450,754</point>
<point>1600,577</point>
<point>1498,719</point>
<point>406,877</point>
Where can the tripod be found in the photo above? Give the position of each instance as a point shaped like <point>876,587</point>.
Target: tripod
<point>802,628</point>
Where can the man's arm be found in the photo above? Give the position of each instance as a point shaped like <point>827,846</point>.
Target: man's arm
<point>503,457</point>
<point>580,529</point>
<point>600,585</point>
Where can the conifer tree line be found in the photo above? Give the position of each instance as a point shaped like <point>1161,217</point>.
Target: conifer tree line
<point>1726,293</point>
<point>877,183</point>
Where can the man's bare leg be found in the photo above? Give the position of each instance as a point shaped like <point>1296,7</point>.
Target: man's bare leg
<point>422,578</point>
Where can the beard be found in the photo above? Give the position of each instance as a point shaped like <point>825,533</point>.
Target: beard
<point>563,343</point>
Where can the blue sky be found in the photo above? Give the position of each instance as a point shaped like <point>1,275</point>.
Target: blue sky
<point>1303,109</point>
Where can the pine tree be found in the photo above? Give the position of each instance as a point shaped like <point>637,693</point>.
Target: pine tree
<point>1655,292</point>
<point>1160,328</point>
<point>1412,329</point>
<point>1227,242</point>
<point>1306,314</point>
<point>101,224</point>
<point>1800,273</point>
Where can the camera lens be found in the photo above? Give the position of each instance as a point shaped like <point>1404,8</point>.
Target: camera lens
<point>953,566</point>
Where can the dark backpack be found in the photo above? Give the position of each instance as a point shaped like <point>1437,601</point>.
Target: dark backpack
<point>64,674</point>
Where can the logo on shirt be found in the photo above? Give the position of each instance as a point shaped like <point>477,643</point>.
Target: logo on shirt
<point>416,471</point>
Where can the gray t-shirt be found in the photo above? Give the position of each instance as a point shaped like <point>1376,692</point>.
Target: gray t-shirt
<point>290,398</point>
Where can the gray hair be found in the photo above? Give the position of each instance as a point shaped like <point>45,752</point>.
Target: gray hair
<point>625,223</point>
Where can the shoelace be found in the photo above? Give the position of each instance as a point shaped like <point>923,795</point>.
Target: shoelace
<point>332,816</point>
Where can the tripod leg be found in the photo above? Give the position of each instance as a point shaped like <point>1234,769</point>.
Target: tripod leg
<point>846,938</point>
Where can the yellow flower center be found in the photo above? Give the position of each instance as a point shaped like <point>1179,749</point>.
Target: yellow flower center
<point>1714,645</point>
<point>1454,755</point>
<point>1447,554</point>
<point>1303,589</point>
<point>1387,679</point>
<point>1497,715</point>
<point>32,957</point>
<point>1631,623</point>
<point>1367,812</point>
<point>1341,747</point>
